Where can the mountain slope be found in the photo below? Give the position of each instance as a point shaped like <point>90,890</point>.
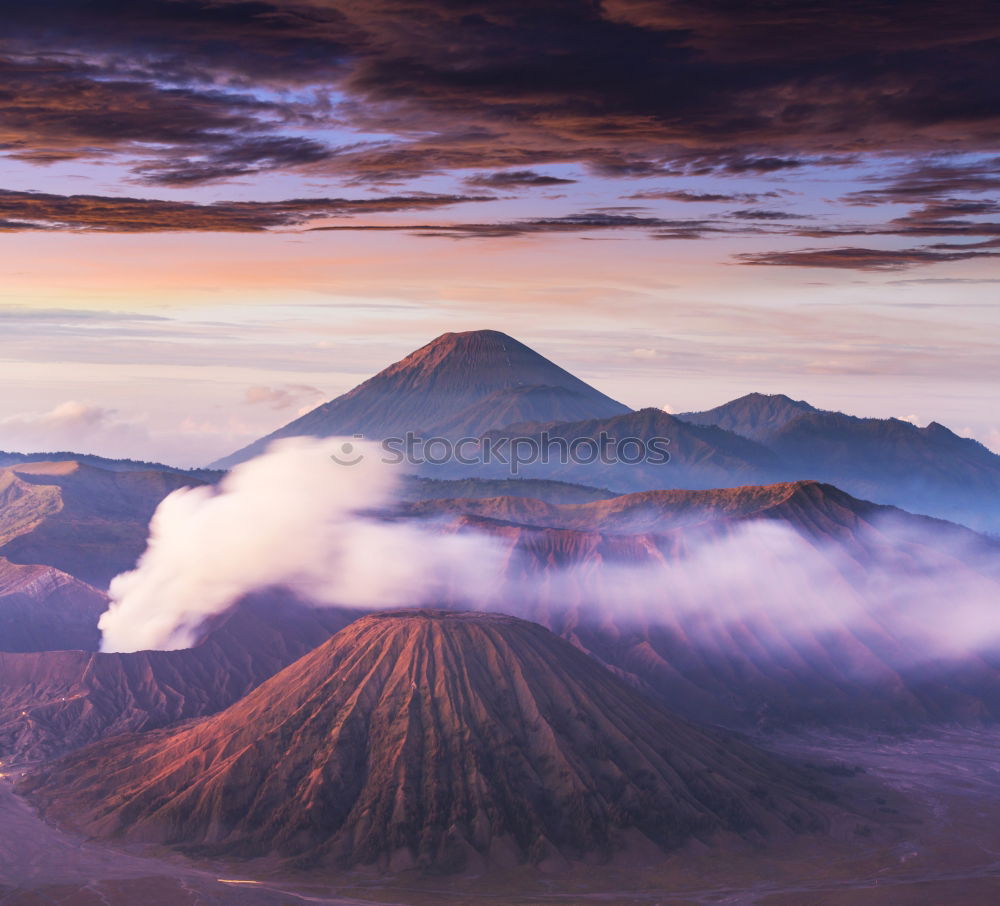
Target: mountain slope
<point>437,741</point>
<point>530,403</point>
<point>701,456</point>
<point>43,608</point>
<point>414,487</point>
<point>808,506</point>
<point>888,454</point>
<point>432,385</point>
<point>86,521</point>
<point>52,702</point>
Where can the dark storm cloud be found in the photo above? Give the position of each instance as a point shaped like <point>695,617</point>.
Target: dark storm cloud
<point>763,164</point>
<point>53,109</point>
<point>234,158</point>
<point>21,211</point>
<point>202,90</point>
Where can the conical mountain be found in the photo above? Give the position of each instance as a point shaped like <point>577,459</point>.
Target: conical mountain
<point>431,386</point>
<point>438,741</point>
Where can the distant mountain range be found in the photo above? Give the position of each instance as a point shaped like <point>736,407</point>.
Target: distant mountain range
<point>756,415</point>
<point>486,384</point>
<point>440,742</point>
<point>928,470</point>
<point>443,742</point>
<point>701,456</point>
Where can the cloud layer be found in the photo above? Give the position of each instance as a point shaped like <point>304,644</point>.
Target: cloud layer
<point>47,211</point>
<point>628,85</point>
<point>189,93</point>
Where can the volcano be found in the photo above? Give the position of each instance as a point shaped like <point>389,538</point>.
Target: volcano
<point>435,741</point>
<point>428,390</point>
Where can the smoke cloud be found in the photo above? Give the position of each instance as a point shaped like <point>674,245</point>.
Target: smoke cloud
<point>893,591</point>
<point>294,517</point>
<point>907,590</point>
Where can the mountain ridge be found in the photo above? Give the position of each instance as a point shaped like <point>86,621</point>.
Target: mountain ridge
<point>54,701</point>
<point>753,416</point>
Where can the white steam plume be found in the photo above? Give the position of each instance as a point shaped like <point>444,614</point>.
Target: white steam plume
<point>913,589</point>
<point>293,517</point>
<point>909,589</point>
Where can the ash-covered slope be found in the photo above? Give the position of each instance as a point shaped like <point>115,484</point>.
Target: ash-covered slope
<point>432,740</point>
<point>42,608</point>
<point>52,702</point>
<point>426,391</point>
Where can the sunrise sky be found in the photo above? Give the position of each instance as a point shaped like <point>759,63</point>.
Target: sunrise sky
<point>218,214</point>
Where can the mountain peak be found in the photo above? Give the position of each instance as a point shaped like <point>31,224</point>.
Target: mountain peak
<point>429,388</point>
<point>487,356</point>
<point>754,415</point>
<point>484,337</point>
<point>466,342</point>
